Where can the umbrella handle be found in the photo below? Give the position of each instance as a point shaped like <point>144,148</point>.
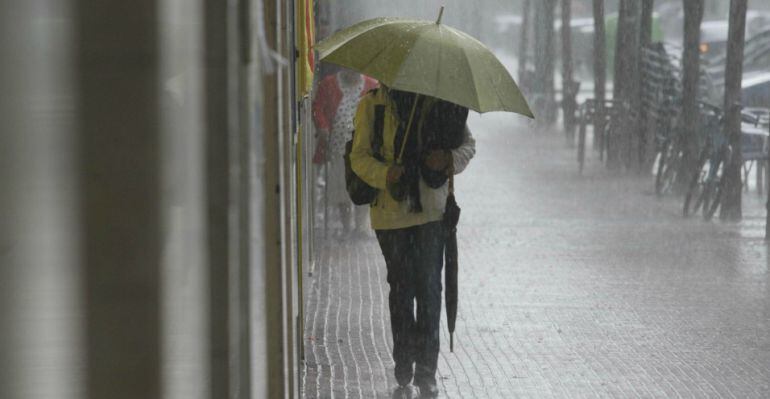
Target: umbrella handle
<point>408,129</point>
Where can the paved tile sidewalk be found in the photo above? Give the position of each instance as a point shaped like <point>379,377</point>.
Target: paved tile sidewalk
<point>570,287</point>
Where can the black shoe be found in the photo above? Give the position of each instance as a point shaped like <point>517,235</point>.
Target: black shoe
<point>406,392</point>
<point>429,390</point>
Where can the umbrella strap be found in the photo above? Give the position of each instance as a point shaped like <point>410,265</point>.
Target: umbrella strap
<point>408,130</point>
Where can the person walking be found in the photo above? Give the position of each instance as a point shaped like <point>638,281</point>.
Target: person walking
<point>333,109</point>
<point>407,216</point>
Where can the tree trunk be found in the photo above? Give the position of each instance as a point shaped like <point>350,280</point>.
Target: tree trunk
<point>693,15</point>
<point>767,203</point>
<point>645,36</point>
<point>569,86</point>
<point>544,62</point>
<point>625,141</point>
<point>621,35</point>
<point>731,203</point>
<point>524,41</point>
<point>600,71</point>
<point>647,132</point>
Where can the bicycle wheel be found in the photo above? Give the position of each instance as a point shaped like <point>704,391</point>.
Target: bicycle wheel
<point>715,189</point>
<point>659,172</point>
<point>716,194</point>
<point>667,171</point>
<point>697,194</point>
<point>582,142</point>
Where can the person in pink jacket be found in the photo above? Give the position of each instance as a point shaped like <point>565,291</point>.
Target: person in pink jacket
<point>334,106</point>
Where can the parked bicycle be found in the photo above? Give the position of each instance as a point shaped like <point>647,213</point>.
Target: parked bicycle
<point>588,113</point>
<point>706,187</point>
<point>668,162</point>
<point>704,190</point>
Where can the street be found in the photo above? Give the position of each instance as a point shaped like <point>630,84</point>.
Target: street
<point>570,286</point>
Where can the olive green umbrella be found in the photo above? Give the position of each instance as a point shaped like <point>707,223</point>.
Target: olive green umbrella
<point>427,58</point>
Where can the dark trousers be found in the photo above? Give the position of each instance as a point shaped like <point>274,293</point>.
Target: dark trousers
<point>415,257</point>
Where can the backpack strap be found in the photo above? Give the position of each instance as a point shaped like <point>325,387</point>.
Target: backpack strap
<point>379,126</point>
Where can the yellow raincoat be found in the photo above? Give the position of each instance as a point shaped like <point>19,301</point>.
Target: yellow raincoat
<point>386,212</point>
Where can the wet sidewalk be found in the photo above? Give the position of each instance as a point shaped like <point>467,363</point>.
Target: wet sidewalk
<point>570,286</point>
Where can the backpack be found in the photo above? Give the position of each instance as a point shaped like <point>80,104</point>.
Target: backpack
<point>359,191</point>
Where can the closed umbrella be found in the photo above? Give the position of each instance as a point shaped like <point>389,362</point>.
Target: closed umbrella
<point>451,218</point>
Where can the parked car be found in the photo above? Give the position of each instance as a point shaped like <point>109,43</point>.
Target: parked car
<point>756,71</point>
<point>714,35</point>
<point>672,21</point>
<point>756,22</point>
<point>755,89</point>
<point>756,55</point>
<point>713,38</point>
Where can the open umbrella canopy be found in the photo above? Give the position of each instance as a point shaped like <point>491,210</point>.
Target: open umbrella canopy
<point>427,58</point>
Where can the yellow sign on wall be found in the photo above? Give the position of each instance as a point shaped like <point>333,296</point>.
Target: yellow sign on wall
<point>305,28</point>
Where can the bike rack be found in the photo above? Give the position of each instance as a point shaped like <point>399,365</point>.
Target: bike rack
<point>588,113</point>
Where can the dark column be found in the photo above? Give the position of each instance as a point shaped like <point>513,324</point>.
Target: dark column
<point>693,15</point>
<point>600,70</point>
<point>569,86</point>
<point>274,125</point>
<point>118,105</point>
<point>524,40</point>
<point>13,122</point>
<point>625,141</point>
<point>646,27</point>
<point>767,203</point>
<point>228,158</point>
<point>731,202</point>
<point>647,132</point>
<point>544,61</point>
<point>243,69</point>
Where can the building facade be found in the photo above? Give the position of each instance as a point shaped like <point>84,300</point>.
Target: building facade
<point>152,199</point>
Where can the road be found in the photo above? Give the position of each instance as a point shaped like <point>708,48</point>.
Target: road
<point>570,287</point>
